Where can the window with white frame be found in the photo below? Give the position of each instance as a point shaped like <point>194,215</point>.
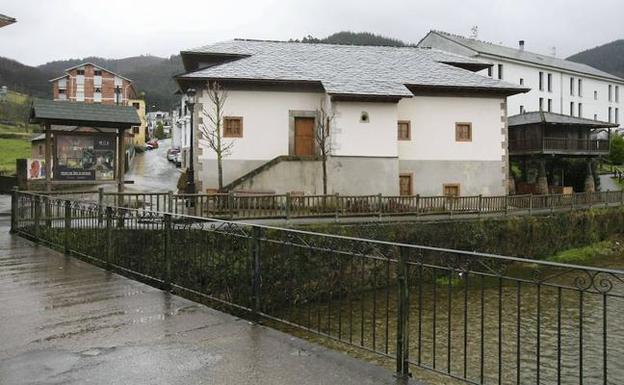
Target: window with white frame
<point>617,115</point>
<point>580,110</point>
<point>610,113</point>
<point>610,93</point>
<point>571,86</point>
<point>549,105</point>
<point>541,81</point>
<point>580,88</point>
<point>549,82</point>
<point>571,108</point>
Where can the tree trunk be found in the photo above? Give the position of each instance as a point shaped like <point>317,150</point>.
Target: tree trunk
<point>220,171</point>
<point>324,175</point>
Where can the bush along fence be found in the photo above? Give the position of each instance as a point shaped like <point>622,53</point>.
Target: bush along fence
<point>287,206</point>
<point>480,318</point>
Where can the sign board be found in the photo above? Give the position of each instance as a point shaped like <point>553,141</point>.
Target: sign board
<point>84,157</point>
<point>35,169</point>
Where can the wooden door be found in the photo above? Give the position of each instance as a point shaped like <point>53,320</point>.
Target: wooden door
<point>304,136</point>
<point>405,184</point>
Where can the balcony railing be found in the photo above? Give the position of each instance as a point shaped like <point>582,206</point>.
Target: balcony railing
<point>560,145</point>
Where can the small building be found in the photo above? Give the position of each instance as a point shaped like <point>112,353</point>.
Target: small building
<point>557,85</point>
<point>400,120</point>
<point>90,83</point>
<point>542,138</point>
<point>139,133</point>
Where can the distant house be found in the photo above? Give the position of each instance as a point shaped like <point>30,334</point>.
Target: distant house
<point>6,20</point>
<point>403,120</point>
<point>139,133</point>
<point>181,129</point>
<point>90,83</point>
<point>156,117</point>
<point>557,85</point>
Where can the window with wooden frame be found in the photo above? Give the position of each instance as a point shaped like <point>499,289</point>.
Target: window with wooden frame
<point>404,130</point>
<point>450,190</point>
<point>233,127</point>
<point>463,132</point>
<point>405,184</point>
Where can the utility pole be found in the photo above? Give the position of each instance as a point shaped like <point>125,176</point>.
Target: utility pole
<point>190,174</point>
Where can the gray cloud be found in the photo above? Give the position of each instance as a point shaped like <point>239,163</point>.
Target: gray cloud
<point>59,29</point>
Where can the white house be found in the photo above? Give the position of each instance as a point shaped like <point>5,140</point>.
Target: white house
<point>557,85</point>
<point>181,129</point>
<point>403,120</point>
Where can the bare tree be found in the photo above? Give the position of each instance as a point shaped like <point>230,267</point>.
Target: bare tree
<point>212,126</point>
<point>323,142</point>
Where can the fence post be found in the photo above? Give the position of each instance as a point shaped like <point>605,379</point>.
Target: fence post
<point>67,225</point>
<point>417,203</point>
<point>480,208</point>
<point>230,200</point>
<point>379,199</point>
<point>402,342</point>
<point>530,204</point>
<point>288,204</point>
<point>606,198</point>
<point>506,205</point>
<point>14,209</point>
<point>337,206</point>
<point>47,211</point>
<point>621,197</point>
<point>100,205</point>
<point>552,203</point>
<point>254,255</point>
<point>590,200</point>
<point>169,207</point>
<point>37,217</point>
<point>109,236</point>
<point>167,256</point>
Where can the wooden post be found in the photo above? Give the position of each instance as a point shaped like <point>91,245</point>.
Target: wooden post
<point>48,156</point>
<point>480,208</point>
<point>337,206</point>
<point>169,208</point>
<point>230,200</point>
<point>379,202</point>
<point>530,204</point>
<point>121,162</point>
<point>288,204</point>
<point>417,204</point>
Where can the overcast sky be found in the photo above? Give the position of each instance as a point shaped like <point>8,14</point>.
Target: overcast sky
<point>60,29</point>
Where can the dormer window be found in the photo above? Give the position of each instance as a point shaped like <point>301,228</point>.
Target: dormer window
<point>80,71</point>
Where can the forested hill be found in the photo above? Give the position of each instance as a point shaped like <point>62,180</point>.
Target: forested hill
<point>354,38</point>
<point>608,57</point>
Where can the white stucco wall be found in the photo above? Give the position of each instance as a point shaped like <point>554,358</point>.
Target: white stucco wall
<point>265,121</point>
<point>375,138</point>
<point>433,121</point>
<point>560,95</point>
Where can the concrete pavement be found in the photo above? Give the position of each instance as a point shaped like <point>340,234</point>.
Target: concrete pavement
<point>63,321</point>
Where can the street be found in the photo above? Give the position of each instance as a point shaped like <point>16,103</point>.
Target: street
<point>151,171</point>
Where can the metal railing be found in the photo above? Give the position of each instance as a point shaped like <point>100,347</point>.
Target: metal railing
<point>287,206</point>
<point>480,318</point>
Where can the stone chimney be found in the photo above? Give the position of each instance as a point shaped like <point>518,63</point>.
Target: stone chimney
<point>521,45</point>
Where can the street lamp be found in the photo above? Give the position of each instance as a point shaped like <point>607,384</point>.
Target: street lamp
<point>190,174</point>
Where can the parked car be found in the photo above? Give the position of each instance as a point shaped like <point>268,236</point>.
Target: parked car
<point>171,153</point>
<point>153,143</point>
<point>177,159</point>
<point>148,147</point>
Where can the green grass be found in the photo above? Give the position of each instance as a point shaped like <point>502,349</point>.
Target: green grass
<point>588,254</point>
<point>12,149</point>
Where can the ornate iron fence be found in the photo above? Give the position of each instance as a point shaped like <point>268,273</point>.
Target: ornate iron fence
<point>480,318</point>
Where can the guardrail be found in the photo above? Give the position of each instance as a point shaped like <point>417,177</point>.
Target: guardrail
<point>288,206</point>
<point>480,318</point>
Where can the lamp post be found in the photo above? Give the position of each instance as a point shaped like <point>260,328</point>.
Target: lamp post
<point>190,174</point>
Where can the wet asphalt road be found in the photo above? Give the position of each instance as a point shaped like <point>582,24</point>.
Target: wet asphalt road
<point>63,321</point>
<point>151,171</point>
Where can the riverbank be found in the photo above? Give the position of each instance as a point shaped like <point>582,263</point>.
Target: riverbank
<point>537,237</point>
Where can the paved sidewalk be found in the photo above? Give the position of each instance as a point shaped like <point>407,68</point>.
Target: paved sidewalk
<point>63,321</point>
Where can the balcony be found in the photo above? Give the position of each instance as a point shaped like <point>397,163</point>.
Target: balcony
<point>559,146</point>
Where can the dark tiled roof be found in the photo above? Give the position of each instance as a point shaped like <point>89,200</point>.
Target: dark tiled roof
<point>74,113</point>
<point>6,20</point>
<point>552,118</point>
<point>526,56</point>
<point>346,70</point>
